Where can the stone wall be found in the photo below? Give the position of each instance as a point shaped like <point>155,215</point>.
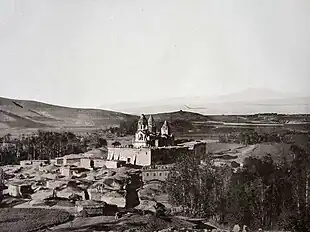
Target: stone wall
<point>72,161</point>
<point>16,190</point>
<point>66,171</point>
<point>112,164</point>
<point>167,155</point>
<point>86,163</point>
<point>33,162</point>
<point>59,161</point>
<point>155,155</point>
<point>136,156</point>
<point>99,163</point>
<point>154,174</point>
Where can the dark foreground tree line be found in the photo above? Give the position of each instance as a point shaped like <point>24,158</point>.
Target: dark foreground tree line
<point>261,194</point>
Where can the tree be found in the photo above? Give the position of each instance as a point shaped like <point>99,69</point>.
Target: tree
<point>300,177</point>
<point>160,210</point>
<point>102,142</point>
<point>116,144</point>
<point>192,186</point>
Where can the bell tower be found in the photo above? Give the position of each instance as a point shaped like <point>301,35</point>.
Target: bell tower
<point>142,123</point>
<point>141,135</point>
<point>165,129</point>
<point>151,125</point>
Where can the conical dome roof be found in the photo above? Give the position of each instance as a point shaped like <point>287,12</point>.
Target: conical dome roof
<point>151,124</point>
<point>151,121</point>
<point>165,129</point>
<point>142,119</point>
<point>142,123</point>
<point>166,124</point>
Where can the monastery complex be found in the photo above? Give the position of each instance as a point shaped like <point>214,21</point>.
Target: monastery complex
<point>154,147</point>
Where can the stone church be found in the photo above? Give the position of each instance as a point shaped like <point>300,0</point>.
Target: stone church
<point>147,135</point>
<point>154,147</point>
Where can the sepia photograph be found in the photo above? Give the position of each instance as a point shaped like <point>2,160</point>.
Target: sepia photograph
<point>155,115</point>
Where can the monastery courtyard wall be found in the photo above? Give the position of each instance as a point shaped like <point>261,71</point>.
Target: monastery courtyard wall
<point>136,156</point>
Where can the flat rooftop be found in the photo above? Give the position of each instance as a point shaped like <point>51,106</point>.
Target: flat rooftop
<point>179,146</point>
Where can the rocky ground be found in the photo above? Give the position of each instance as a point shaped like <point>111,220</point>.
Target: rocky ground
<point>24,220</point>
<point>131,222</point>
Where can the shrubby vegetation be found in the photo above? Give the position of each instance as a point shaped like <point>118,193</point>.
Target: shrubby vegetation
<point>253,137</point>
<point>260,194</point>
<point>45,145</point>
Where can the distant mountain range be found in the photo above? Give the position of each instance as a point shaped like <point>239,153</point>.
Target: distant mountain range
<point>249,101</point>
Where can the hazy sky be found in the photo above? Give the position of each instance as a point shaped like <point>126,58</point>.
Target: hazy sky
<point>92,53</point>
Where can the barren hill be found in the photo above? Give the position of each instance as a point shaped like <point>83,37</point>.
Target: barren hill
<point>23,114</point>
<point>180,121</point>
<point>180,115</point>
<point>19,114</point>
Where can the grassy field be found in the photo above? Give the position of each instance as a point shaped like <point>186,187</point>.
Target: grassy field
<point>24,220</point>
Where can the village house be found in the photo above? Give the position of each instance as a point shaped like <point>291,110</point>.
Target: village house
<point>24,163</point>
<point>94,208</point>
<point>69,171</point>
<point>155,172</point>
<point>20,188</point>
<point>91,159</point>
<point>72,159</point>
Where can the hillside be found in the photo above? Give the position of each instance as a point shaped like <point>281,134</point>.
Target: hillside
<point>180,115</point>
<point>20,114</point>
<point>180,121</point>
<point>16,115</point>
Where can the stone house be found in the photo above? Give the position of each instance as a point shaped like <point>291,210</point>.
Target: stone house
<point>94,208</point>
<point>20,189</point>
<point>33,162</point>
<point>86,160</point>
<point>155,172</point>
<point>69,171</point>
<point>72,159</point>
